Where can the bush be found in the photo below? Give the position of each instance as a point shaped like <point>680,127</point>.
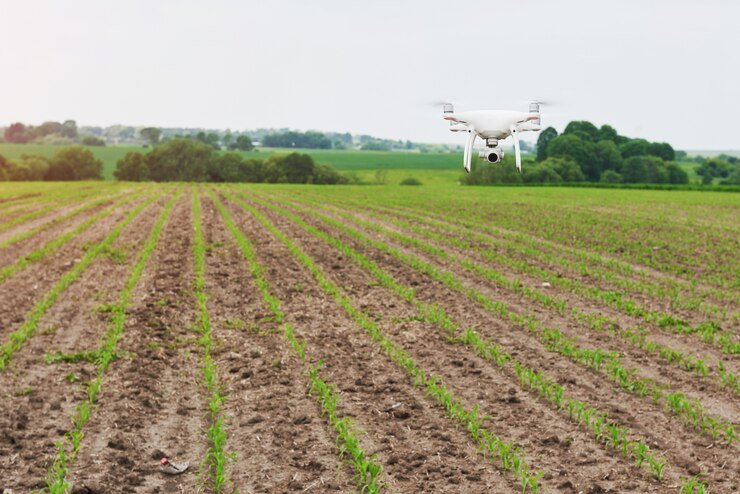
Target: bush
<point>541,173</point>
<point>410,181</point>
<point>325,174</point>
<point>501,173</point>
<point>74,163</point>
<point>568,169</point>
<point>92,141</point>
<point>29,167</point>
<point>132,167</point>
<point>611,177</point>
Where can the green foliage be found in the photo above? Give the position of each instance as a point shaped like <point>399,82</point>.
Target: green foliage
<point>543,139</point>
<point>242,143</point>
<point>74,163</point>
<point>291,139</point>
<point>28,167</point>
<point>715,168</point>
<point>132,167</point>
<point>611,177</point>
<point>483,173</point>
<point>151,135</point>
<point>566,168</point>
<point>579,150</point>
<point>182,160</point>
<point>410,181</point>
<point>608,155</point>
<point>92,141</point>
<point>541,173</point>
<point>583,129</point>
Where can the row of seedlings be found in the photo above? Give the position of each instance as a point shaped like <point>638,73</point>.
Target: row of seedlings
<point>511,457</point>
<point>216,456</point>
<point>367,468</point>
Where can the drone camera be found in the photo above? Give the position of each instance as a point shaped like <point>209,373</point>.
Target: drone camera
<point>494,155</point>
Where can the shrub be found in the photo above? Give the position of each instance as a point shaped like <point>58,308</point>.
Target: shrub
<point>132,167</point>
<point>74,163</point>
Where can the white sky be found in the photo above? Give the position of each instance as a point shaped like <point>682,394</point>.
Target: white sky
<point>664,70</point>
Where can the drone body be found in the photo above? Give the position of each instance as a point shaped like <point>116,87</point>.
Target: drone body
<point>492,126</point>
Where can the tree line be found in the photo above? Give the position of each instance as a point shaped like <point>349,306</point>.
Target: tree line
<point>49,132</point>
<point>67,163</point>
<point>586,153</point>
<point>190,160</point>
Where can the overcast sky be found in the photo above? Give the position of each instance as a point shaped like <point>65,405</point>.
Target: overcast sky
<point>664,70</point>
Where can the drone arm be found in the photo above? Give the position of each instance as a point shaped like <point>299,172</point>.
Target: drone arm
<point>517,152</point>
<point>468,150</point>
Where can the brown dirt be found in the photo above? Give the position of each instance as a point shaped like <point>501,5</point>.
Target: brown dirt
<point>21,291</point>
<point>686,448</point>
<point>42,397</point>
<point>151,404</point>
<point>418,446</point>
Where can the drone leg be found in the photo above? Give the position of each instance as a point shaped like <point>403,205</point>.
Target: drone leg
<point>517,152</point>
<point>468,150</point>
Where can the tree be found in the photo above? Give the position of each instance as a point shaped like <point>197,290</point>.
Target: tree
<point>662,150</point>
<point>183,160</point>
<point>584,129</point>
<point>676,175</point>
<point>4,169</point>
<point>243,143</point>
<point>229,167</point>
<point>566,168</point>
<point>74,163</point>
<point>611,177</point>
<point>16,133</point>
<point>713,168</point>
<point>325,174</point>
<point>544,138</point>
<point>608,154</point>
<point>92,141</point>
<point>132,167</point>
<point>69,129</point>
<point>151,135</point>
<point>29,167</point>
<point>634,147</point>
<point>580,150</point>
<point>634,170</point>
<point>297,168</point>
<point>608,133</point>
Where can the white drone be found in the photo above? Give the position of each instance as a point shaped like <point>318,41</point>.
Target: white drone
<point>491,126</point>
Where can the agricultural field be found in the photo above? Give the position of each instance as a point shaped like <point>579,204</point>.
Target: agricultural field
<point>368,339</point>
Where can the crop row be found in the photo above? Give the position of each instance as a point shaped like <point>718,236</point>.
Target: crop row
<point>216,456</point>
<point>58,242</point>
<point>69,446</point>
<point>18,337</point>
<point>608,363</point>
<point>366,466</point>
<point>585,414</point>
<point>511,456</point>
<point>636,336</point>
